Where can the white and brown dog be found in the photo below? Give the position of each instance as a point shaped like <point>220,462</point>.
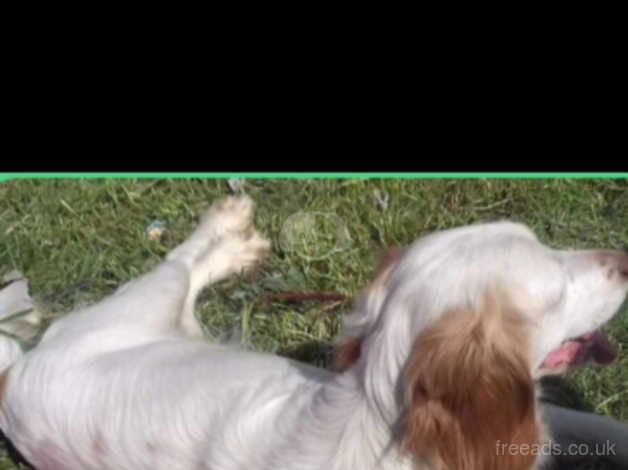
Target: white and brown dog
<point>438,362</point>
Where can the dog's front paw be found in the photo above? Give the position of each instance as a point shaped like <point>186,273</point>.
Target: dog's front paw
<point>233,214</point>
<point>233,254</point>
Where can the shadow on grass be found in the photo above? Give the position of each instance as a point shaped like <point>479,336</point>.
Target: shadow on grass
<point>316,353</point>
<point>14,454</point>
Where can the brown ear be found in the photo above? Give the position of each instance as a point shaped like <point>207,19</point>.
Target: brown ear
<point>470,393</point>
<point>348,350</point>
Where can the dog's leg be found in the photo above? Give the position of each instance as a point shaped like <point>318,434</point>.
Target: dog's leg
<point>229,216</point>
<point>162,301</point>
<point>236,247</point>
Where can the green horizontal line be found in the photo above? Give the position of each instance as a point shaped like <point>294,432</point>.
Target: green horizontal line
<point>5,176</point>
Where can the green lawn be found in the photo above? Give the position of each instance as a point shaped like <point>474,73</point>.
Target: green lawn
<point>76,240</point>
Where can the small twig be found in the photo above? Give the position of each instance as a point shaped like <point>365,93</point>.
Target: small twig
<point>68,207</point>
<point>331,306</point>
<point>494,205</point>
<point>325,309</point>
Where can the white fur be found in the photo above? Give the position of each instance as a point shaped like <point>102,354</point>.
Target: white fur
<point>127,384</point>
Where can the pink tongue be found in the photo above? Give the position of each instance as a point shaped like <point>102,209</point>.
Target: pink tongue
<point>565,354</point>
<point>594,345</point>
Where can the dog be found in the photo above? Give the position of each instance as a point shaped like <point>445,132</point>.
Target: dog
<point>436,367</point>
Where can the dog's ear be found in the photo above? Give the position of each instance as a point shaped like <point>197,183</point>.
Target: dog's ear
<point>469,392</point>
<point>358,324</point>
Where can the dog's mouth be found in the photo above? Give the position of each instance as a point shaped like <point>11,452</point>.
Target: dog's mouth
<point>593,346</point>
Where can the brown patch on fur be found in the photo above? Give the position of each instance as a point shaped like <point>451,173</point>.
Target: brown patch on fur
<point>389,257</point>
<point>347,354</point>
<point>469,388</point>
<point>348,351</point>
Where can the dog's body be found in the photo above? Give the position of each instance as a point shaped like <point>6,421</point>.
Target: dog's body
<point>126,384</point>
<point>129,384</point>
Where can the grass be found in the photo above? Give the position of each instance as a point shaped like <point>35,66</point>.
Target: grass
<point>76,240</point>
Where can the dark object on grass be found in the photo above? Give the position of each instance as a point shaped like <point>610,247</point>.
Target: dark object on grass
<point>13,453</point>
<point>572,423</point>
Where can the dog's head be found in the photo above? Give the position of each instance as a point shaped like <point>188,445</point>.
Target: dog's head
<point>460,324</point>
